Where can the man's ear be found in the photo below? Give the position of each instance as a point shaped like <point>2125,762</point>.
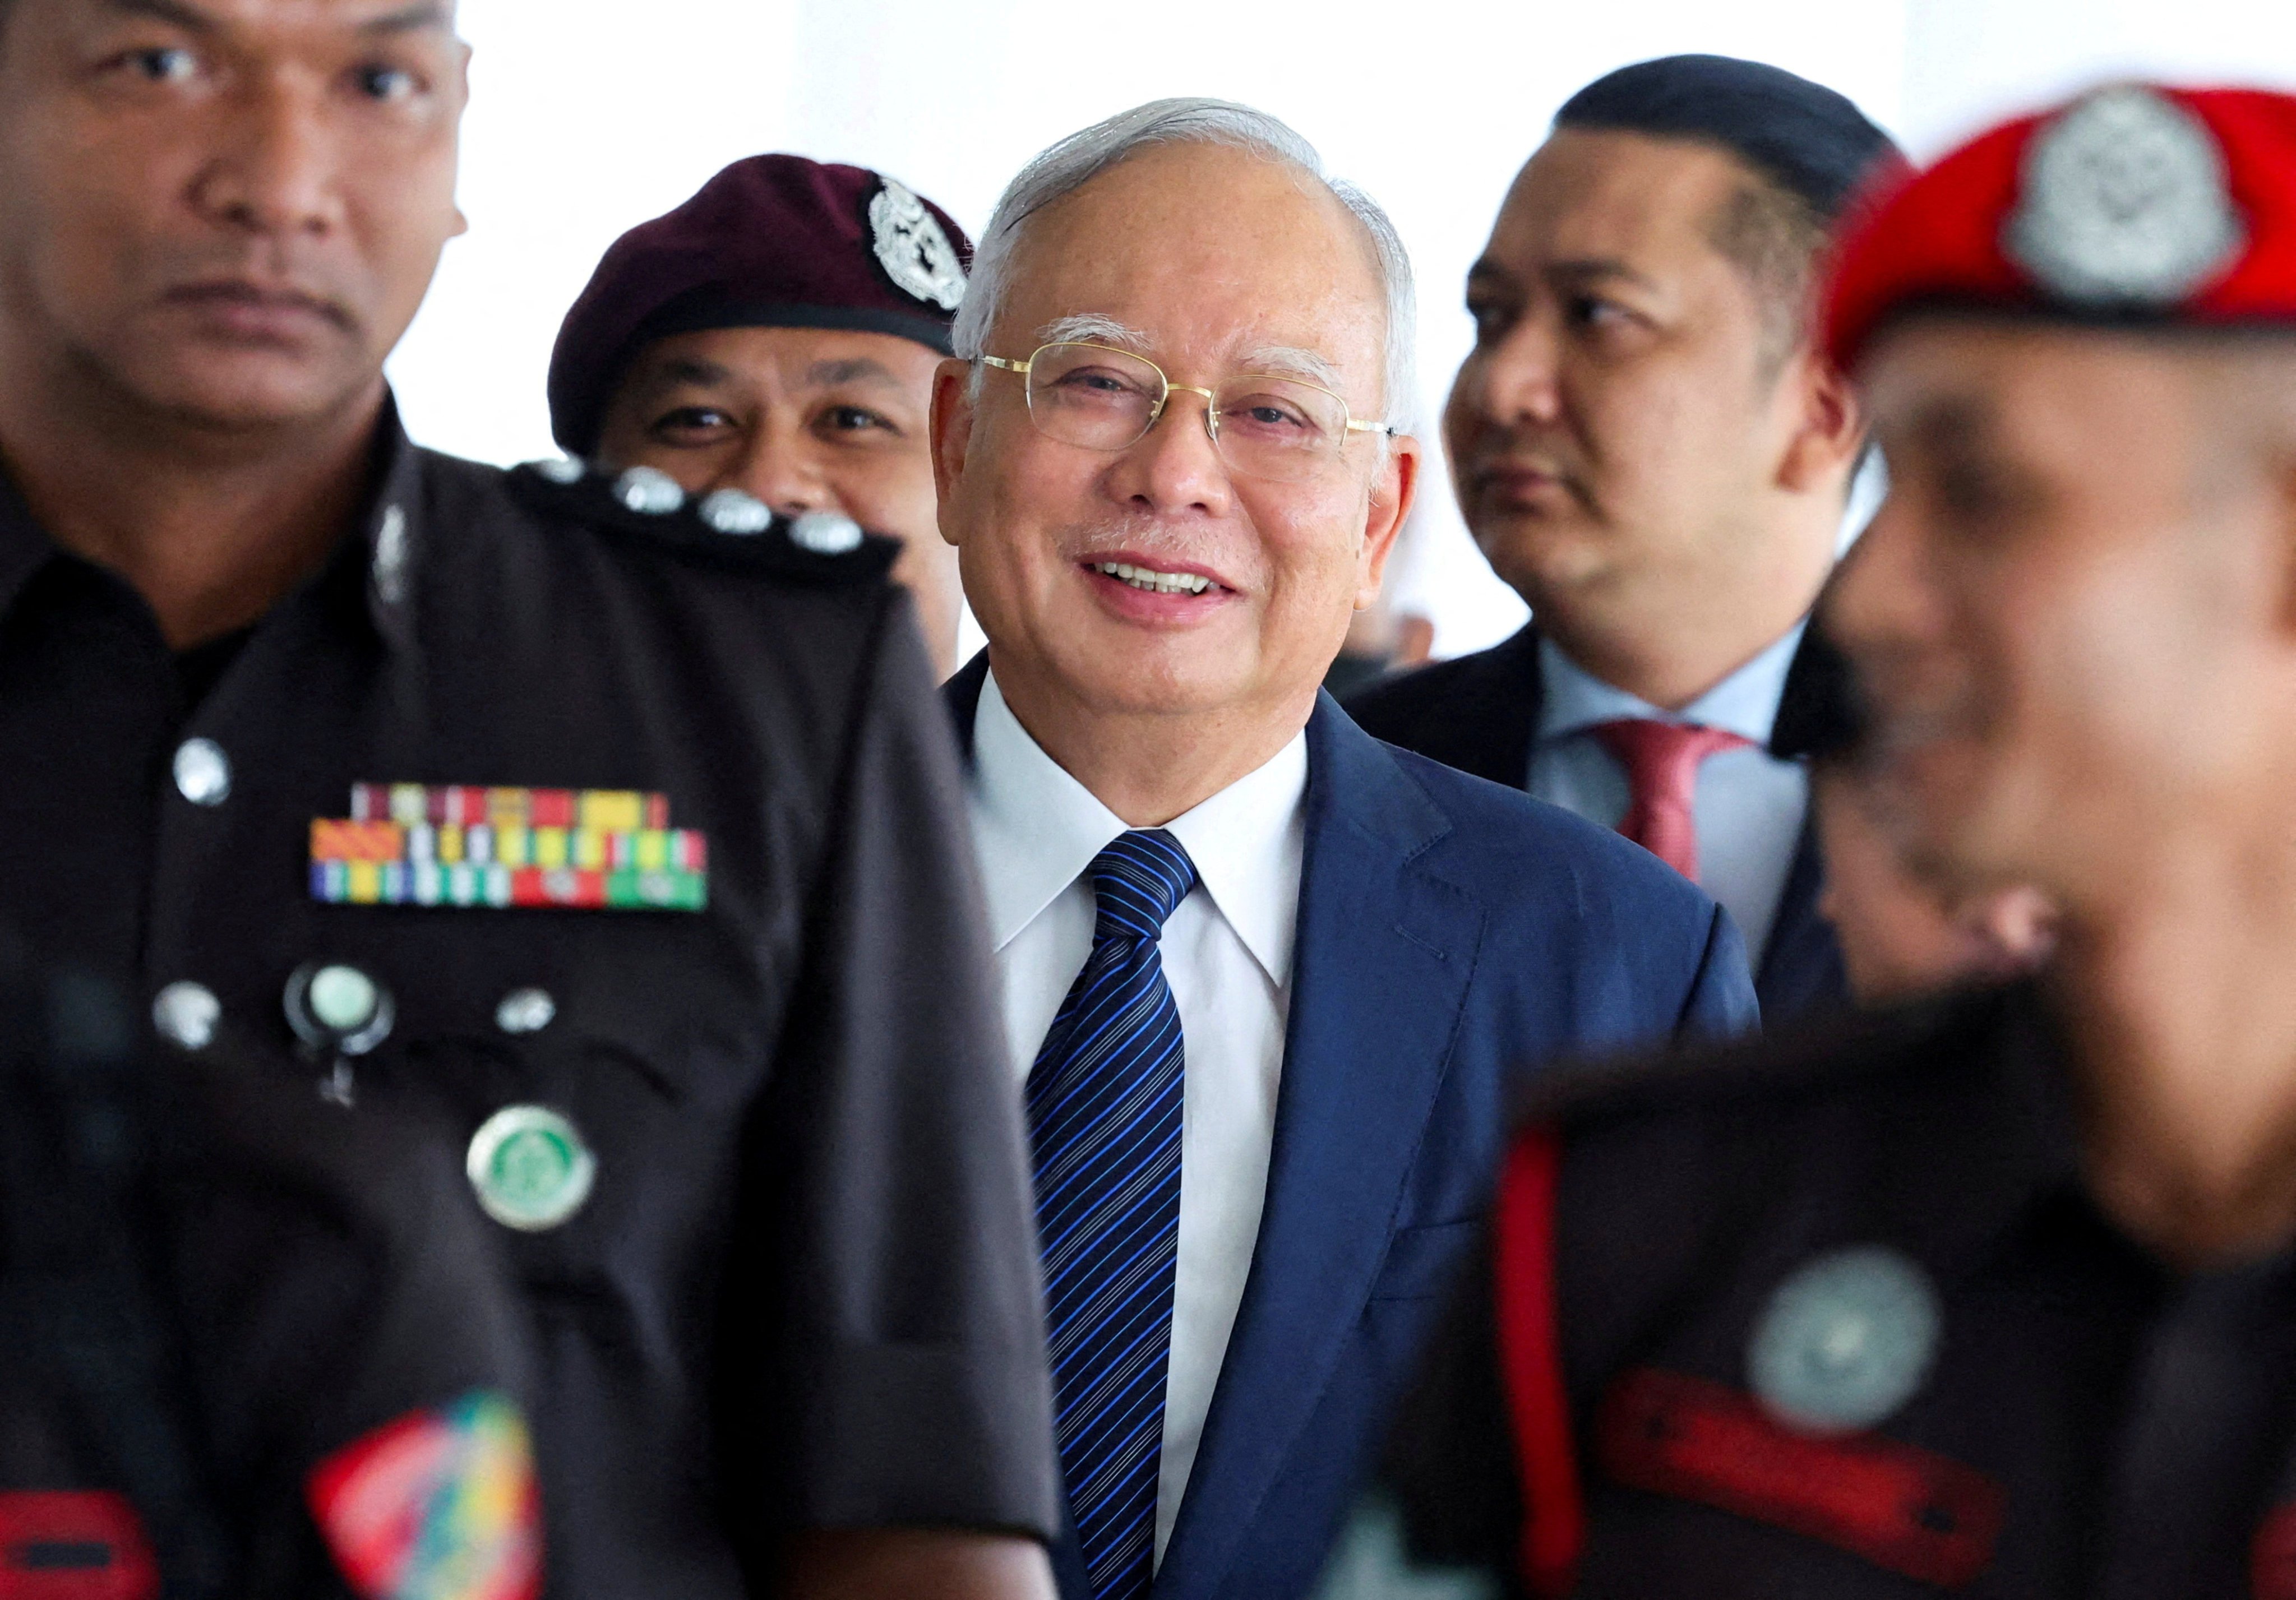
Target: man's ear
<point>949,428</point>
<point>1824,450</point>
<point>1392,490</point>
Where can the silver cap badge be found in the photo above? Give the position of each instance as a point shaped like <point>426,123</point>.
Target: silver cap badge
<point>1845,1340</point>
<point>2124,202</point>
<point>913,248</point>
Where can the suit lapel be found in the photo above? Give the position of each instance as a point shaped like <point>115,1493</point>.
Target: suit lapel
<point>1381,968</point>
<point>962,696</point>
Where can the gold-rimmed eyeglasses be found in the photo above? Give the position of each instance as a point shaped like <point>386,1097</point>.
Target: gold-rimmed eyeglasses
<point>1263,426</point>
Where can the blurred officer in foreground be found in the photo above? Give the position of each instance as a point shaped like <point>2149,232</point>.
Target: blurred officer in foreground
<point>1652,452</point>
<point>248,1348</point>
<point>1998,1295</point>
<point>777,334</point>
<point>1907,927</point>
<point>1268,982</point>
<point>627,831</point>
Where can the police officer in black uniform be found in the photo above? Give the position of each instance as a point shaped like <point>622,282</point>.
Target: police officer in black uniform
<point>1997,1295</point>
<point>619,826</point>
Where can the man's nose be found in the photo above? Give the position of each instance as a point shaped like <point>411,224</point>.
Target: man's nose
<point>780,467</point>
<point>278,172</point>
<point>1519,378</point>
<point>1175,466</point>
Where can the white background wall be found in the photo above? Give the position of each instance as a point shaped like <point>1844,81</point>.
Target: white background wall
<point>588,116</point>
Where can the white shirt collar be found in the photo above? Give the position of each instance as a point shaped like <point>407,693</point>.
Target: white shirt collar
<point>1745,702</point>
<point>1037,829</point>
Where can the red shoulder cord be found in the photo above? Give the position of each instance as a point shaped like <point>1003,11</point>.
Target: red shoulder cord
<point>1531,1363</point>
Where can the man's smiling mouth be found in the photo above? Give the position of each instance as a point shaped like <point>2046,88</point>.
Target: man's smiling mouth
<point>1154,581</point>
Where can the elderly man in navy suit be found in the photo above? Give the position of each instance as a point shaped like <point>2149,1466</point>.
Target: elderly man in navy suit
<point>1269,982</point>
<point>1651,452</point>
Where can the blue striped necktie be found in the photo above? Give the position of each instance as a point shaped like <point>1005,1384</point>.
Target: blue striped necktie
<point>1104,1118</point>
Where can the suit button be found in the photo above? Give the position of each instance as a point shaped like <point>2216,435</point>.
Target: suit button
<point>203,772</point>
<point>525,1010</point>
<point>185,1014</point>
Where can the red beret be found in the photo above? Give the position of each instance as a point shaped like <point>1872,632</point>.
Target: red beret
<point>772,242</point>
<point>2134,205</point>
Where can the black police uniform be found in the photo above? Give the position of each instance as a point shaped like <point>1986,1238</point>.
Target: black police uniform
<point>799,1289</point>
<point>214,1297</point>
<point>1840,1318</point>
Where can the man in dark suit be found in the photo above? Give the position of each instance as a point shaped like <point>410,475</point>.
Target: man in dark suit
<point>1270,983</point>
<point>1651,452</point>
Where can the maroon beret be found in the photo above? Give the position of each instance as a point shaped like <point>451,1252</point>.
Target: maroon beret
<point>772,242</point>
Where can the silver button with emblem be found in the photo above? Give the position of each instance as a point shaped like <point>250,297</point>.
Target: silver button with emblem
<point>560,468</point>
<point>526,1011</point>
<point>333,1006</point>
<point>203,772</point>
<point>531,1168</point>
<point>1845,1340</point>
<point>391,556</point>
<point>826,532</point>
<point>649,490</point>
<point>187,1014</point>
<point>735,511</point>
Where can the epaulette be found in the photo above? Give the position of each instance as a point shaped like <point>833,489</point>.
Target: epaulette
<point>1821,1057</point>
<point>725,526</point>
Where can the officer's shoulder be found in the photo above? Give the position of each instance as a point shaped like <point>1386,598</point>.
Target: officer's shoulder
<point>644,513</point>
<point>1931,1048</point>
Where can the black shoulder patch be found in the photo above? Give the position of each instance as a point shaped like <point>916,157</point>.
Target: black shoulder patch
<point>760,542</point>
<point>1821,1055</point>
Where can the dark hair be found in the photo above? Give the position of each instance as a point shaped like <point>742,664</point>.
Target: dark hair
<point>1811,147</point>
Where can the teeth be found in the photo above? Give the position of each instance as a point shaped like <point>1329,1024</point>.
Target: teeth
<point>1154,581</point>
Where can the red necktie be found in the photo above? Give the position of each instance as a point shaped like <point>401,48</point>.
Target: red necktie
<point>1661,760</point>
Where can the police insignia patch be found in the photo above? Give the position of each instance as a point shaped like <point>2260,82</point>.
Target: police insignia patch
<point>436,1506</point>
<point>2124,202</point>
<point>1845,1340</point>
<point>913,248</point>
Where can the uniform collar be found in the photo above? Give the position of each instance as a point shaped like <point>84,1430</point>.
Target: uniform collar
<point>1745,703</point>
<point>389,539</point>
<point>1037,829</point>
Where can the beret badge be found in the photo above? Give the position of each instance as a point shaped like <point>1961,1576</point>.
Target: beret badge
<point>913,248</point>
<point>2124,202</point>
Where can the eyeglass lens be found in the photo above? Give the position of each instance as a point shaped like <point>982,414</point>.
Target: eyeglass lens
<point>1105,399</point>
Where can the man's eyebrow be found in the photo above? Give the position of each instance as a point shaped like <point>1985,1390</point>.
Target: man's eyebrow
<point>1291,361</point>
<point>187,18</point>
<point>1951,422</point>
<point>855,369</point>
<point>681,370</point>
<point>1091,327</point>
<point>412,19</point>
<point>1595,269</point>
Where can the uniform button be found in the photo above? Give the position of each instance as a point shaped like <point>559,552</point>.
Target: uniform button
<point>826,532</point>
<point>186,1013</point>
<point>531,1168</point>
<point>733,510</point>
<point>649,490</point>
<point>525,1010</point>
<point>560,468</point>
<point>332,1005</point>
<point>203,772</point>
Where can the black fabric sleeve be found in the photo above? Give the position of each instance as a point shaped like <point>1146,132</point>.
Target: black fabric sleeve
<point>908,1383</point>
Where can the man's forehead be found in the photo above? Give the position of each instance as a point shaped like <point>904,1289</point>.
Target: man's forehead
<point>364,16</point>
<point>1200,250</point>
<point>1621,194</point>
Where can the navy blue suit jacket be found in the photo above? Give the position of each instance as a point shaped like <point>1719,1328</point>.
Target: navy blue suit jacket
<point>1454,938</point>
<point>1478,713</point>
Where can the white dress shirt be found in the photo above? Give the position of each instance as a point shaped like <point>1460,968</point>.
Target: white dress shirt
<point>1748,807</point>
<point>1227,957</point>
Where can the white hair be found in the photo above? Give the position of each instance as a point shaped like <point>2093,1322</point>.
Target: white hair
<point>1081,157</point>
